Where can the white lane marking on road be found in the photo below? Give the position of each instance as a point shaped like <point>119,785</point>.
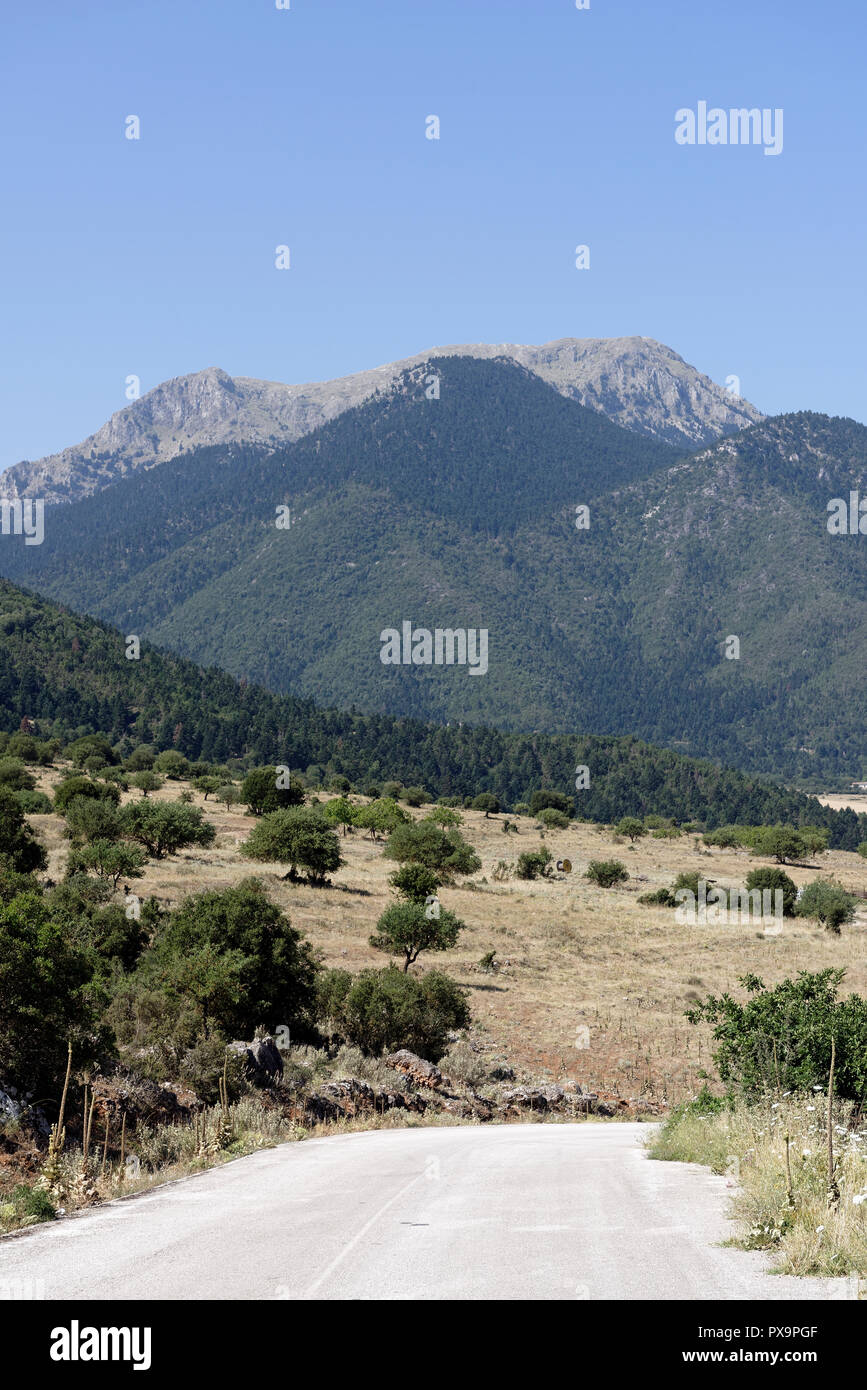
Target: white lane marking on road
<point>329,1269</point>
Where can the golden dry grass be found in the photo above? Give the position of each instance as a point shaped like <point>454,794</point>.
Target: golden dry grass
<point>572,956</point>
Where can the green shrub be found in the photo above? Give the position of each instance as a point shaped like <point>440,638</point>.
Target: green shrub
<point>631,828</point>
<point>83,786</point>
<point>259,791</point>
<point>164,827</point>
<point>415,796</point>
<point>89,819</point>
<point>553,819</point>
<point>782,1036</point>
<point>20,851</point>
<point>32,1203</point>
<point>605,873</point>
<point>384,1010</point>
<point>828,902</point>
<point>14,775</point>
<point>660,897</point>
<point>540,799</point>
<point>34,803</point>
<point>172,764</point>
<point>533,863</point>
<point>772,880</point>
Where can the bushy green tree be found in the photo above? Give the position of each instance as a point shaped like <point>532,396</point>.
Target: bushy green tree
<point>228,794</point>
<point>782,1036</point>
<point>83,786</point>
<point>164,827</point>
<point>236,960</point>
<point>90,745</point>
<point>341,812</point>
<point>774,879</point>
<point>89,819</point>
<point>147,782</point>
<point>14,775</point>
<point>414,883</point>
<point>298,837</point>
<point>828,902</point>
<point>409,928</point>
<point>415,796</point>
<point>108,859</point>
<point>172,764</point>
<point>630,827</point>
<point>487,802</point>
<point>44,998</point>
<point>381,816</point>
<point>444,851</point>
<point>444,815</point>
<point>542,798</point>
<point>384,1010</point>
<point>786,844</point>
<point>141,759</point>
<point>260,792</point>
<point>20,851</point>
<point>552,819</point>
<point>207,785</point>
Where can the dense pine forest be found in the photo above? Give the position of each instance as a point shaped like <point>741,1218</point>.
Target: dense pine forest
<point>70,676</point>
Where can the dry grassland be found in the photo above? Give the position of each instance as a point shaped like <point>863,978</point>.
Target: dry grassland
<point>571,956</point>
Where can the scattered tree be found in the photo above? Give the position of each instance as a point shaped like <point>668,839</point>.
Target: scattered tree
<point>297,837</point>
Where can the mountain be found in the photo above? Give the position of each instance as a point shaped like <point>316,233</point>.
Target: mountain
<point>460,513</point>
<point>68,675</point>
<point>637,382</point>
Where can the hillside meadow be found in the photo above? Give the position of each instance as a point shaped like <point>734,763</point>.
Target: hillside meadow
<point>588,984</point>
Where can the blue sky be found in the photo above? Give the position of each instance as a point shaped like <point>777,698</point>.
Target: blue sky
<point>306,127</point>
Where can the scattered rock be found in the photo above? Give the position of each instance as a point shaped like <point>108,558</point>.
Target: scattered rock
<point>418,1070</point>
<point>261,1058</point>
<point>336,1100</point>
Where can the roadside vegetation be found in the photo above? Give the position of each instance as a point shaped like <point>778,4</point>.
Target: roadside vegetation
<point>789,1131</point>
<point>173,919</point>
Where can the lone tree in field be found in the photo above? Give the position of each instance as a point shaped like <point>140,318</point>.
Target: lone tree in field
<point>229,795</point>
<point>487,802</point>
<point>207,785</point>
<point>147,782</point>
<point>631,827</point>
<point>341,812</point>
<point>108,859</point>
<point>782,842</point>
<point>261,792</point>
<point>409,928</point>
<point>297,837</point>
<point>828,903</point>
<point>164,827</point>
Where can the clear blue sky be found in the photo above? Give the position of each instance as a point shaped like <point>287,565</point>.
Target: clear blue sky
<point>307,127</point>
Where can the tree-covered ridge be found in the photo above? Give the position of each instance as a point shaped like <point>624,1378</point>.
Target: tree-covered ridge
<point>460,511</point>
<point>70,675</point>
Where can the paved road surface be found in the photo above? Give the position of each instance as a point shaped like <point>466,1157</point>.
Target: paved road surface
<point>518,1211</point>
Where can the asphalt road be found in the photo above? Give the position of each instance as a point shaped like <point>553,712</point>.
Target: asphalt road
<point>496,1212</point>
